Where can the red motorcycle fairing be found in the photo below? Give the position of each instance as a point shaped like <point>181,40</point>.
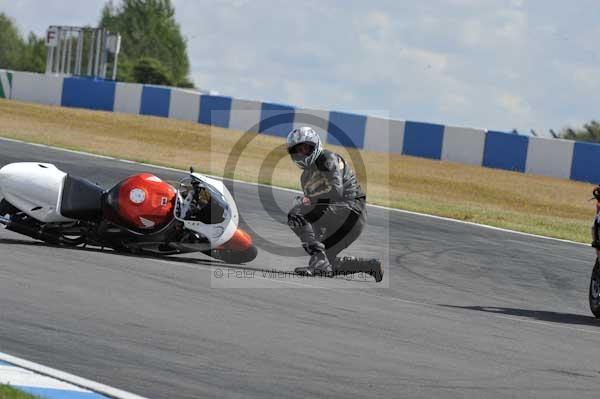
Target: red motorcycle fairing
<point>240,241</point>
<point>142,201</point>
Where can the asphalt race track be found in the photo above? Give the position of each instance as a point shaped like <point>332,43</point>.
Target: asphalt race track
<point>464,311</point>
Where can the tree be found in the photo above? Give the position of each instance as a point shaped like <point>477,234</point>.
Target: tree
<point>11,43</point>
<point>149,30</point>
<point>150,70</point>
<point>590,132</point>
<point>15,53</point>
<point>33,55</point>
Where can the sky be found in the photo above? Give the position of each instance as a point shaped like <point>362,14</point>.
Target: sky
<point>495,64</point>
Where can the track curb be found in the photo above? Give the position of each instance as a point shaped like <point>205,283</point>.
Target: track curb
<point>93,386</point>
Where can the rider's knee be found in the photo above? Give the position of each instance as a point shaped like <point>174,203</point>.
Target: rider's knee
<point>296,218</point>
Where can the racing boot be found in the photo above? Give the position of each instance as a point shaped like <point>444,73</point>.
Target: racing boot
<point>351,264</point>
<point>318,265</point>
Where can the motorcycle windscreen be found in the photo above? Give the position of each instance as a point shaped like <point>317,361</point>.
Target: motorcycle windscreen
<point>205,205</point>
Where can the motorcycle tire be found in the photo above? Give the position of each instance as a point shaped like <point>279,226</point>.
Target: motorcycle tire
<point>594,292</point>
<point>72,241</point>
<point>233,257</point>
<point>7,208</point>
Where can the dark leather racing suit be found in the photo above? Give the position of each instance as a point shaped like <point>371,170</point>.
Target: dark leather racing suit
<point>337,213</point>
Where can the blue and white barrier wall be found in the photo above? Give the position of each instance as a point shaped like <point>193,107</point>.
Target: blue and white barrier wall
<point>5,84</point>
<point>519,153</point>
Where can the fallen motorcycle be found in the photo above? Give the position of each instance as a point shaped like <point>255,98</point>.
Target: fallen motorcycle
<point>141,214</point>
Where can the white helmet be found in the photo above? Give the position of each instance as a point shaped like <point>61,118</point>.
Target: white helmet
<point>304,135</point>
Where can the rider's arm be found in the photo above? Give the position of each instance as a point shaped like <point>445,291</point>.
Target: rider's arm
<point>332,167</point>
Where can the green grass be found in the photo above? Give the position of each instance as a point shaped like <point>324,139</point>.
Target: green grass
<point>9,392</point>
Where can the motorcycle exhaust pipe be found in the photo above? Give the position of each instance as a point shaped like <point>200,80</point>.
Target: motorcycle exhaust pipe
<point>29,231</point>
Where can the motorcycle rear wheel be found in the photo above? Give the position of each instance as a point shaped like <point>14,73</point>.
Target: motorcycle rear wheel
<point>72,241</point>
<point>49,237</point>
<point>7,208</point>
<point>594,292</point>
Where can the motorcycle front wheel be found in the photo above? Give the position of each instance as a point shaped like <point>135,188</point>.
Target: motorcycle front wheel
<point>233,256</point>
<point>594,293</point>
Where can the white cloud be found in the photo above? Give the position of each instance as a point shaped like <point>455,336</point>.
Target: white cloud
<point>517,3</point>
<point>583,79</point>
<point>378,23</point>
<point>37,16</point>
<point>587,76</point>
<point>498,29</point>
<point>472,33</point>
<point>463,62</point>
<point>516,107</point>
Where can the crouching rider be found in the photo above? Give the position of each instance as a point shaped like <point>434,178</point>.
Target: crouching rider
<point>332,213</point>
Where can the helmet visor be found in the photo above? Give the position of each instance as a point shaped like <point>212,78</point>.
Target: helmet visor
<point>301,151</point>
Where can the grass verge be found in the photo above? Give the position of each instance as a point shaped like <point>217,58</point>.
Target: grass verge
<point>534,204</point>
<point>9,392</point>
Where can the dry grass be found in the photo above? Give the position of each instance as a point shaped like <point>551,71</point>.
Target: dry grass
<point>541,205</point>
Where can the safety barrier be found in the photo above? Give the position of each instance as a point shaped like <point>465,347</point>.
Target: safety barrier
<point>5,84</point>
<point>519,153</point>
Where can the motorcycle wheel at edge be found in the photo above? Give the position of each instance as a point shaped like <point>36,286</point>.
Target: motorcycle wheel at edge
<point>594,292</point>
<point>6,207</point>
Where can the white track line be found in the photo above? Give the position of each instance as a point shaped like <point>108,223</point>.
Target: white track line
<point>20,377</point>
<point>446,219</point>
<point>70,378</point>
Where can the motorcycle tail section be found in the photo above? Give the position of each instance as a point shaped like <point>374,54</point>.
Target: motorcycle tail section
<point>34,188</point>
